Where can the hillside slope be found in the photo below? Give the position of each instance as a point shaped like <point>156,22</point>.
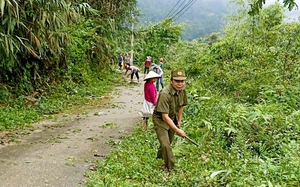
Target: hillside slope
<point>202,18</point>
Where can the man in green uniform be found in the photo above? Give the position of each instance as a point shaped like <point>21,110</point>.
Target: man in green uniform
<point>167,116</point>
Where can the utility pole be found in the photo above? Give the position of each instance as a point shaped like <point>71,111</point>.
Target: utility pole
<point>132,38</point>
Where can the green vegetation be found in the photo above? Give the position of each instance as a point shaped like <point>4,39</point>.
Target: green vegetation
<point>243,111</point>
<point>55,54</point>
<point>243,88</point>
<point>155,40</point>
<point>201,18</point>
<point>17,113</point>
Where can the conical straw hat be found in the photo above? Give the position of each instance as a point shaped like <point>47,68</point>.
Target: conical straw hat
<point>151,74</point>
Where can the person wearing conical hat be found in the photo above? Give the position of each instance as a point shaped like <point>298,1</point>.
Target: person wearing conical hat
<point>150,95</point>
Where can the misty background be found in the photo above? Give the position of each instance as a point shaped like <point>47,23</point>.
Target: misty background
<point>201,18</point>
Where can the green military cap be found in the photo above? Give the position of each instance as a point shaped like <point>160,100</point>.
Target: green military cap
<point>178,75</point>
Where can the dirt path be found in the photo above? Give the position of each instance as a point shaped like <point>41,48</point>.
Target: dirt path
<point>57,154</point>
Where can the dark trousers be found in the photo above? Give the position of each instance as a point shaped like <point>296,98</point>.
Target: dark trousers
<point>146,70</point>
<point>136,74</point>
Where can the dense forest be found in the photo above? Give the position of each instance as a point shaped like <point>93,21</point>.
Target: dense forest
<point>201,17</point>
<point>243,86</point>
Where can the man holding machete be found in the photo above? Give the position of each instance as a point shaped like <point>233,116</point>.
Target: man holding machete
<point>167,117</point>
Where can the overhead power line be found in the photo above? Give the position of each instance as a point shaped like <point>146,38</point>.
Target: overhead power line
<point>182,11</point>
<point>177,9</point>
<point>172,9</point>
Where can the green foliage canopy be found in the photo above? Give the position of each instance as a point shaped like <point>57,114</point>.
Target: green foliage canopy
<point>155,40</point>
<point>256,5</point>
<point>49,46</point>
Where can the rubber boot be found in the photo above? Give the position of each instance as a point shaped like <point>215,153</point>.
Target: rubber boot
<point>138,80</point>
<point>131,80</point>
